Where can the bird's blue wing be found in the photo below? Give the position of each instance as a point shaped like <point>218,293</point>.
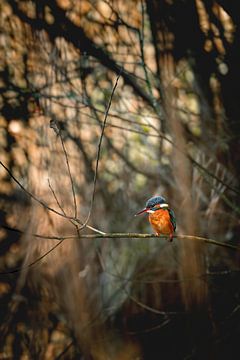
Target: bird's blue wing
<point>173,219</point>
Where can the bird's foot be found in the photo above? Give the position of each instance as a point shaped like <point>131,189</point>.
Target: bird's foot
<point>170,238</point>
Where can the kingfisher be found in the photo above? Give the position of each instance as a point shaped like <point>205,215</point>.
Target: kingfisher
<point>161,217</point>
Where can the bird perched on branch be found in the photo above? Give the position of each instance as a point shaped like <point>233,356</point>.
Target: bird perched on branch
<point>161,218</point>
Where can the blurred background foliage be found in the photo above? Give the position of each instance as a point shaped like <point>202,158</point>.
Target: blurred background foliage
<point>172,129</point>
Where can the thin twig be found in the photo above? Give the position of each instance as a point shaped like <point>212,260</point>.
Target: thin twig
<point>99,151</point>
<point>131,236</point>
<point>59,205</point>
<point>19,269</point>
<point>64,350</point>
<point>55,197</point>
<point>112,236</point>
<point>70,175</point>
<point>34,197</point>
<point>155,103</point>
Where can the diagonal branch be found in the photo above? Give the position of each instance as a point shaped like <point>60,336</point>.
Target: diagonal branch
<point>55,197</point>
<point>41,202</point>
<point>70,174</point>
<point>63,27</point>
<point>19,269</point>
<point>99,151</point>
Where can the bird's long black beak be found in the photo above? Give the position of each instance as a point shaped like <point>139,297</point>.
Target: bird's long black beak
<point>141,212</point>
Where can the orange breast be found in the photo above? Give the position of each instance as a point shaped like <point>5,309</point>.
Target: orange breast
<point>161,222</point>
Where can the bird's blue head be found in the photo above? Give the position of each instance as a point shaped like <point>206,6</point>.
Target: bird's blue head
<point>153,204</point>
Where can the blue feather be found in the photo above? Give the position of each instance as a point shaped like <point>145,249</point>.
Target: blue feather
<point>172,218</point>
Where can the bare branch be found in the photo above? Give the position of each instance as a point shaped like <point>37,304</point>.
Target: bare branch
<point>73,33</point>
<point>99,151</point>
<point>70,174</point>
<point>131,236</point>
<point>55,197</point>
<point>54,125</point>
<point>19,269</point>
<point>41,202</point>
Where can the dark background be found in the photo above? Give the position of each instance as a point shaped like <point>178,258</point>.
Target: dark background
<point>172,129</point>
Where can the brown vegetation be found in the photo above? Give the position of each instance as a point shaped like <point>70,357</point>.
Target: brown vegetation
<point>104,104</point>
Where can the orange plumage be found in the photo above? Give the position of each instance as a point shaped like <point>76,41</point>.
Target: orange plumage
<point>161,222</point>
<point>161,217</point>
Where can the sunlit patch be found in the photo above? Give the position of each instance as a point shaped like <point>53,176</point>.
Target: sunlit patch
<point>15,127</point>
<point>223,68</point>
